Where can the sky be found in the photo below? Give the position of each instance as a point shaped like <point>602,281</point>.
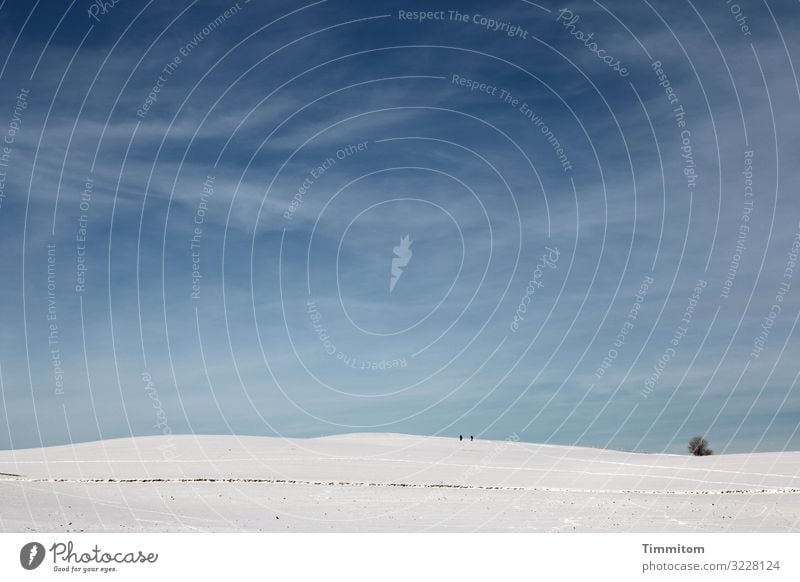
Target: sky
<point>562,223</point>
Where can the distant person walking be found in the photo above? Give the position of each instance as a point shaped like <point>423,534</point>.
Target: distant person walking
<point>470,438</point>
<point>461,437</point>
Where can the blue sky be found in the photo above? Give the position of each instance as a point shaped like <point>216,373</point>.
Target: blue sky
<point>602,205</point>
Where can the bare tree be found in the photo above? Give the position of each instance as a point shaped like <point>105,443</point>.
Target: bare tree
<point>698,447</point>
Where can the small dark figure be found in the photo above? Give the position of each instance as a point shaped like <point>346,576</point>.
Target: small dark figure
<point>461,437</point>
<point>470,438</point>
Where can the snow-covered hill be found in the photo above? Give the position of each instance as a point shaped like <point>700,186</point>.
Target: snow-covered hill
<point>388,482</point>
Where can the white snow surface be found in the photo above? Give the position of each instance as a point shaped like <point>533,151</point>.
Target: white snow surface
<point>389,482</point>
